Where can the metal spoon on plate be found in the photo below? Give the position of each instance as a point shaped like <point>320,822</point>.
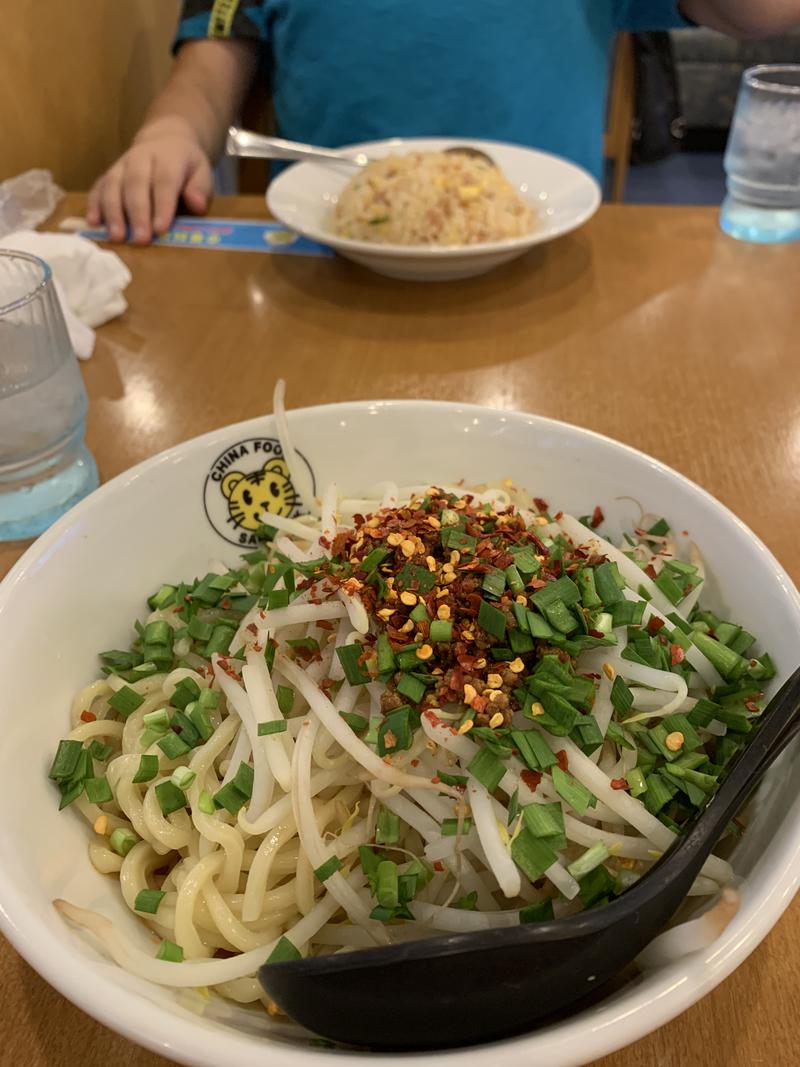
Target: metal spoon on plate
<point>245,143</point>
<point>462,989</point>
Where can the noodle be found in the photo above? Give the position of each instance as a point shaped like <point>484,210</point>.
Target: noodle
<point>361,761</point>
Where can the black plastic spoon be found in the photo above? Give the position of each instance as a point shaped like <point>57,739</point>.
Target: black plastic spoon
<point>467,988</point>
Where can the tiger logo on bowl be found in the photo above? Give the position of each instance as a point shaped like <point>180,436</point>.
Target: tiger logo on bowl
<point>249,496</point>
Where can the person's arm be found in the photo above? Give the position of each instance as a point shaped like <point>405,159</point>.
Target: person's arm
<point>184,130</point>
<point>744,18</point>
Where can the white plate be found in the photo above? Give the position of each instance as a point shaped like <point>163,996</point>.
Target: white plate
<point>81,585</point>
<point>562,194</point>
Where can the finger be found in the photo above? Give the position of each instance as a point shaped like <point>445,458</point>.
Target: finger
<point>136,195</point>
<point>166,187</point>
<point>111,205</point>
<point>93,215</point>
<point>197,191</point>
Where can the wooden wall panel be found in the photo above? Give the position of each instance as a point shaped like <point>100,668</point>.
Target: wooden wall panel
<point>75,79</point>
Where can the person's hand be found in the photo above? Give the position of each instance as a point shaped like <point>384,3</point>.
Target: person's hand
<point>144,184</point>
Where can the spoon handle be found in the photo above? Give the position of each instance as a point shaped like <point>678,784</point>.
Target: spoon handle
<point>256,146</point>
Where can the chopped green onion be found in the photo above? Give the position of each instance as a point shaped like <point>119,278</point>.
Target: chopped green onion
<point>186,692</point>
<point>607,585</point>
<point>357,723</point>
<point>636,782</point>
<point>513,806</point>
<point>161,598</point>
<point>170,798</point>
<point>394,733</point>
<point>209,699</point>
<point>99,751</point>
<point>539,627</point>
<point>386,660</point>
<point>449,827</point>
<point>729,664</point>
<point>349,657</point>
<point>412,688</point>
<point>451,779</point>
<point>590,859</point>
<point>621,696</point>
<point>183,777</point>
<point>533,855</point>
<point>122,840</point>
<point>200,631</point>
<point>386,885</point>
<point>220,641</point>
<point>173,746</point>
<point>572,791</point>
<point>125,701</point>
<point>169,951</point>
<point>205,803</point>
<point>525,561</point>
<point>148,900</point>
<point>541,912</point>
<point>533,749</point>
<point>596,885</point>
<point>326,869</point>
<point>659,792</point>
<point>199,718</point>
<point>66,760</point>
<point>157,720</point>
<point>148,769</point>
<point>274,726</point>
<point>283,952</point>
<point>494,582</point>
<point>98,791</point>
<point>158,633</point>
<point>562,589</point>
<point>544,820</point>
<point>492,620</point>
<point>230,798</point>
<point>387,830</point>
<point>487,769</point>
<point>560,617</point>
<point>468,902</point>
<point>441,630</point>
<point>243,780</point>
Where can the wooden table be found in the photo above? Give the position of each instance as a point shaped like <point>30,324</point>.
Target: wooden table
<point>648,325</point>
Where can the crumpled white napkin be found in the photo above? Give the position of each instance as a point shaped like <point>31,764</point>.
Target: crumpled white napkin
<point>89,280</point>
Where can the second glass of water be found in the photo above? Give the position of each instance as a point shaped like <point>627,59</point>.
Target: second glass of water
<point>762,160</point>
<point>45,466</point>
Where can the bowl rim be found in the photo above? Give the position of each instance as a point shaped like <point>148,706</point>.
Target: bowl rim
<point>438,252</point>
<point>596,1031</point>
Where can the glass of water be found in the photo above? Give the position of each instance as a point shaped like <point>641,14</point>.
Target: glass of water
<point>45,466</point>
<point>762,160</point>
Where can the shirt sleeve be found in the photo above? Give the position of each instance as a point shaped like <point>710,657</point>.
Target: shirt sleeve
<point>221,19</point>
<point>643,15</point>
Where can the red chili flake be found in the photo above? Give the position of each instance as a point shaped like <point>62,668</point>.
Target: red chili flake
<point>619,783</point>
<point>597,517</point>
<point>88,716</point>
<point>537,583</point>
<point>678,654</point>
<point>531,779</point>
<point>752,706</point>
<point>253,629</point>
<point>438,866</point>
<point>479,704</point>
<point>325,542</point>
<point>258,648</point>
<point>559,515</point>
<point>650,571</point>
<point>541,505</point>
<point>685,533</point>
<point>324,624</point>
<point>436,780</point>
<point>415,763</point>
<point>596,633</point>
<point>563,759</point>
<point>654,624</point>
<point>180,608</point>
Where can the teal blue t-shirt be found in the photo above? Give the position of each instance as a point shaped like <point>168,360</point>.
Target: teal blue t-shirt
<point>526,71</point>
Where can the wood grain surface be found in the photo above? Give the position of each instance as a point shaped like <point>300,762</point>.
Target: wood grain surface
<point>648,325</point>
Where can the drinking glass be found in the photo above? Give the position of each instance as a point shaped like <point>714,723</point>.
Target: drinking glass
<point>762,160</point>
<point>45,466</point>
